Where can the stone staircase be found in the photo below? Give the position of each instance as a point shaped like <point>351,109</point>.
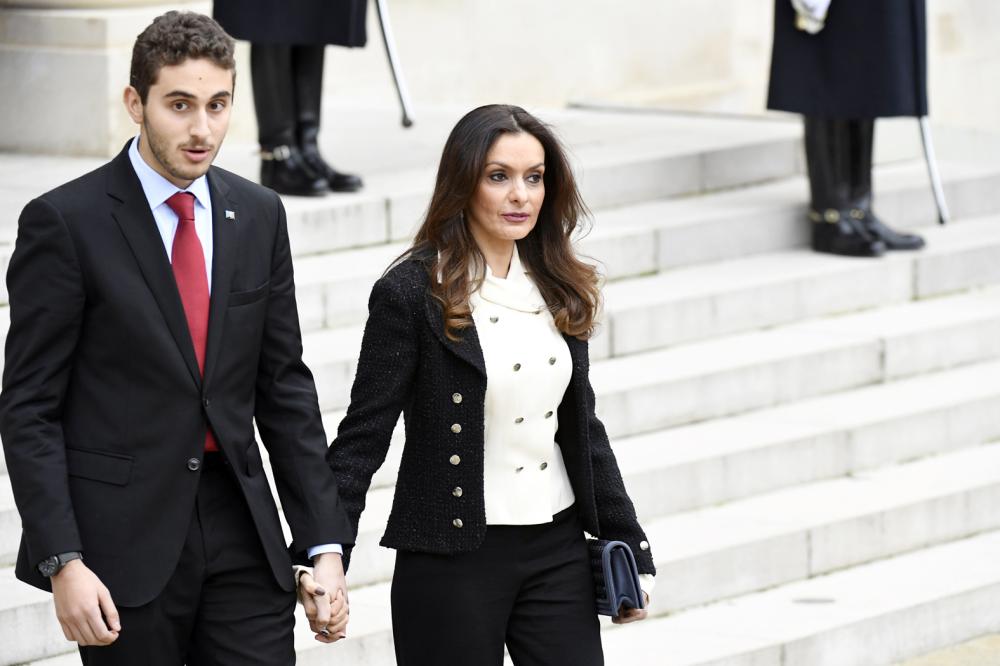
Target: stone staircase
<point>813,442</point>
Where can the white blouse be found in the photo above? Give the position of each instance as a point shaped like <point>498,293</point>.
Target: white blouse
<point>528,368</point>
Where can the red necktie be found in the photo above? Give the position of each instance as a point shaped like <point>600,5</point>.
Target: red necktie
<point>188,261</point>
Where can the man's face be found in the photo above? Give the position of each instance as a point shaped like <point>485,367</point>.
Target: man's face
<point>184,119</point>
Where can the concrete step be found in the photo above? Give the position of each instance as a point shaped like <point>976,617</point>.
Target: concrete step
<point>864,616</point>
<point>801,532</point>
<point>771,217</point>
<point>735,295</point>
<point>722,460</point>
<point>981,651</point>
<point>772,540</point>
<point>726,376</point>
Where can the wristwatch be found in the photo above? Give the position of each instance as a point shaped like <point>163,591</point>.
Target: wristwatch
<point>52,565</point>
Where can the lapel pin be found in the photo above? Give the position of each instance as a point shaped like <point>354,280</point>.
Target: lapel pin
<point>230,215</point>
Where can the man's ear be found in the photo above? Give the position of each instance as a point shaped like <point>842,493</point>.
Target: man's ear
<point>133,104</point>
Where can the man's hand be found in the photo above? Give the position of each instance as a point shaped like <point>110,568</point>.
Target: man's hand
<point>324,596</point>
<point>626,615</point>
<point>84,607</point>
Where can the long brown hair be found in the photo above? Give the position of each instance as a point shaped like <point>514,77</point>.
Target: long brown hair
<point>568,285</point>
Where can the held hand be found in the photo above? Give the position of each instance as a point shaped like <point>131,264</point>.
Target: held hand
<point>332,610</point>
<point>626,615</point>
<point>84,607</point>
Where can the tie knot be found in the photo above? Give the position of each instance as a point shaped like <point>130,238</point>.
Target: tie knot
<point>182,203</point>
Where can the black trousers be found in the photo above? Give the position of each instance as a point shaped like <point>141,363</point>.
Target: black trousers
<point>221,606</point>
<point>529,587</point>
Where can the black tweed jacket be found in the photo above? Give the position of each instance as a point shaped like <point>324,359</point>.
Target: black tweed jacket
<point>408,364</point>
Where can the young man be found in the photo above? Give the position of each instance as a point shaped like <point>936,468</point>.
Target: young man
<point>153,318</point>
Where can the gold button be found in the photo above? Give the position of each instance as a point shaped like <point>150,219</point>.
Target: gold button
<point>456,428</point>
<point>457,523</point>
<point>519,419</point>
<point>457,492</point>
<point>517,366</point>
<point>543,465</point>
<point>454,460</point>
<point>552,360</point>
<point>456,398</point>
<point>494,319</point>
<point>548,415</point>
<point>644,545</point>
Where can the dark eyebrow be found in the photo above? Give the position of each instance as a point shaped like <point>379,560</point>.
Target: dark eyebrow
<point>505,166</point>
<point>186,95</point>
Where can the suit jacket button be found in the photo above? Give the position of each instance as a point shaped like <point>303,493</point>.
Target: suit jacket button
<point>194,464</point>
<point>494,319</point>
<point>543,466</point>
<point>552,360</point>
<point>517,366</point>
<point>548,415</point>
<point>457,523</point>
<point>644,545</point>
<point>206,402</point>
<point>456,428</point>
<point>456,398</point>
<point>454,460</point>
<point>519,419</point>
<point>457,492</point>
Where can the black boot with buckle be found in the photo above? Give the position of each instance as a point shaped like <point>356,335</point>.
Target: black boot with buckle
<point>282,166</point>
<point>861,134</point>
<point>836,229</point>
<point>307,63</point>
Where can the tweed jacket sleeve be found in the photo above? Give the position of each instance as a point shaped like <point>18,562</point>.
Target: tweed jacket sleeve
<point>382,386</point>
<point>615,512</point>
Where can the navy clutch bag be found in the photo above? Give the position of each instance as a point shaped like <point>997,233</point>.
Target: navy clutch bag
<point>616,576</point>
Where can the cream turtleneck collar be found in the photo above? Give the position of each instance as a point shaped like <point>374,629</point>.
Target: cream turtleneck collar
<point>516,291</point>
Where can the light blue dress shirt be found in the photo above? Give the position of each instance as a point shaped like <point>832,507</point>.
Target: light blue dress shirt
<point>158,189</point>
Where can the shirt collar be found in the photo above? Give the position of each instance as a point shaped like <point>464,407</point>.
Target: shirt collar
<point>157,188</point>
<point>516,291</point>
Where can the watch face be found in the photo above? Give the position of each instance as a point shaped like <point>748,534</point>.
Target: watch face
<point>48,566</point>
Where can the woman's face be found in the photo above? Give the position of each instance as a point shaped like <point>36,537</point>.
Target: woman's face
<point>505,205</point>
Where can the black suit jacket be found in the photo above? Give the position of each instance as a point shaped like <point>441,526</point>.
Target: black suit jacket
<point>408,364</point>
<point>103,405</point>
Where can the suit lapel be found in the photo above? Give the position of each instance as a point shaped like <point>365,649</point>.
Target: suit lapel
<point>467,347</point>
<point>139,228</point>
<point>224,234</point>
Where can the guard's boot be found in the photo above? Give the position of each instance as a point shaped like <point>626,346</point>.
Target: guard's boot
<point>307,63</point>
<point>861,134</point>
<point>282,166</point>
<point>834,229</point>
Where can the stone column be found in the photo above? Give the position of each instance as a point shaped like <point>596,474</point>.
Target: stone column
<point>63,67</point>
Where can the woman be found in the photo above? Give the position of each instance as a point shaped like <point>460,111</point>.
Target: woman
<point>286,70</point>
<point>478,335</point>
<point>863,60</point>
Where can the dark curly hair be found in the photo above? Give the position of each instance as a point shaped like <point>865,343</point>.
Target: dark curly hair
<point>173,38</point>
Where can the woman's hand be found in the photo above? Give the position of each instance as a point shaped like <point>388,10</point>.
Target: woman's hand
<point>327,613</point>
<point>626,615</point>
